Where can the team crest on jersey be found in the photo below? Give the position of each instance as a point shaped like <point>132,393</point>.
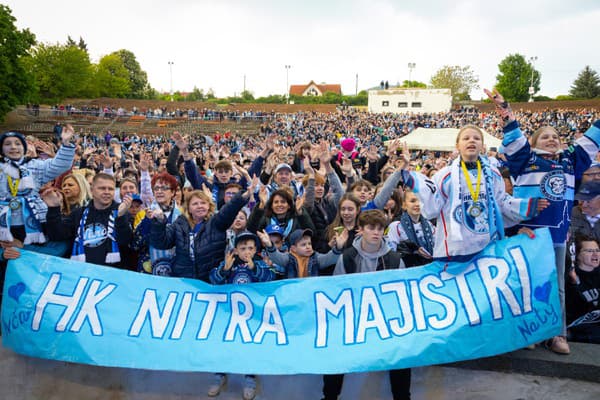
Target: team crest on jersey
<point>473,215</point>
<point>553,185</point>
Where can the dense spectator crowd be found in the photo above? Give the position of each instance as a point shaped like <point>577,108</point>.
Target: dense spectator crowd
<point>309,194</point>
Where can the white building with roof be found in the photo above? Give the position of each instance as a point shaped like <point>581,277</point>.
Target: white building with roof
<point>410,100</point>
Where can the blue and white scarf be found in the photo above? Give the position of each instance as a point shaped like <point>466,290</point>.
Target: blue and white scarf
<point>494,217</point>
<point>78,252</point>
<point>33,209</point>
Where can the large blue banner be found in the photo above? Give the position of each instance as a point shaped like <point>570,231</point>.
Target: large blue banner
<point>502,300</point>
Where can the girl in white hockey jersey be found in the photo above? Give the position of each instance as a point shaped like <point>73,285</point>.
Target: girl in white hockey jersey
<point>468,200</point>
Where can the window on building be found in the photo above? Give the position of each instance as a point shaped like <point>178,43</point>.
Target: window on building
<point>402,104</point>
<point>416,105</point>
<point>385,103</point>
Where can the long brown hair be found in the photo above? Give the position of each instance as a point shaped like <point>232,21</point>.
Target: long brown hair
<point>337,221</point>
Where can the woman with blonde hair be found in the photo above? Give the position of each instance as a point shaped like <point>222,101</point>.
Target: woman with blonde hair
<point>198,235</point>
<point>76,191</point>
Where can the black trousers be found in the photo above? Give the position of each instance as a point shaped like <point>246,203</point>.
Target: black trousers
<point>399,382</point>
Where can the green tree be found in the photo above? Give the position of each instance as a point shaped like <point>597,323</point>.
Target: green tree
<point>138,78</point>
<point>413,84</point>
<point>16,83</point>
<point>514,78</point>
<point>61,71</point>
<point>460,80</point>
<point>210,94</point>
<point>587,84</point>
<point>247,96</point>
<point>112,77</point>
<point>82,44</point>
<point>196,95</point>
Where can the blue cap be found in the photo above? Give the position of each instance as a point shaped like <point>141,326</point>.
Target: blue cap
<point>136,197</point>
<point>274,230</point>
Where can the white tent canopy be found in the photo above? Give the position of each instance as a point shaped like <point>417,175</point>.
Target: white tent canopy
<point>443,139</point>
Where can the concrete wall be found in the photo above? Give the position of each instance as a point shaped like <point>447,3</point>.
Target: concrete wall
<point>431,100</point>
<point>25,378</point>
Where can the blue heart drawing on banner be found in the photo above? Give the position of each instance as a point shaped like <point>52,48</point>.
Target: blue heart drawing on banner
<point>542,293</point>
<point>15,291</point>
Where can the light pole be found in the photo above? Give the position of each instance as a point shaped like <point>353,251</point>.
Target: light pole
<point>411,66</point>
<point>287,82</point>
<point>171,76</point>
<point>532,60</point>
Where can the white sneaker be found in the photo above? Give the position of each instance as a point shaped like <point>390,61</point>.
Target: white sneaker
<point>249,392</point>
<point>219,383</point>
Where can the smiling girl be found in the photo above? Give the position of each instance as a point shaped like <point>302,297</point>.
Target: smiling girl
<point>468,199</point>
<point>542,168</point>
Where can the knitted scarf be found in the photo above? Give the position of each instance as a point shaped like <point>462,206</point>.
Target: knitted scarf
<point>78,252</point>
<point>32,207</point>
<point>427,241</point>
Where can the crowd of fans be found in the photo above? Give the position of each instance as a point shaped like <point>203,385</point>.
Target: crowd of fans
<point>309,194</point>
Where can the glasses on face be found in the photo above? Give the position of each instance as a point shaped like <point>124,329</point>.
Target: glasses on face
<point>230,193</point>
<point>161,188</point>
<point>590,251</point>
<point>595,175</point>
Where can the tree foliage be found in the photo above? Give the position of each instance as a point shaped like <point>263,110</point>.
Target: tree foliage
<point>112,77</point>
<point>460,80</point>
<point>587,84</point>
<point>196,95</point>
<point>61,71</point>
<point>138,78</point>
<point>16,83</point>
<point>413,84</point>
<point>515,77</point>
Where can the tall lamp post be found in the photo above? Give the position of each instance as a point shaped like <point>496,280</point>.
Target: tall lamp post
<point>532,61</point>
<point>287,82</point>
<point>171,77</point>
<point>411,66</point>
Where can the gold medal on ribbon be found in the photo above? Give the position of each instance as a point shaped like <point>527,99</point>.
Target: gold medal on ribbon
<point>475,209</point>
<point>13,186</point>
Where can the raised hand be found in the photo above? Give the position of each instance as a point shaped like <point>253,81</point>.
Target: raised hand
<point>67,134</point>
<point>253,185</point>
<point>263,197</point>
<point>264,238</point>
<point>300,204</point>
<point>180,141</point>
<point>308,169</point>
<point>346,166</point>
<point>145,160</point>
<point>125,205</point>
<point>52,197</point>
<point>229,258</point>
<point>502,106</point>
<point>404,158</point>
<point>341,239</point>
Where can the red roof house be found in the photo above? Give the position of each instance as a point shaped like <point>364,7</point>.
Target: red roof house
<point>314,89</point>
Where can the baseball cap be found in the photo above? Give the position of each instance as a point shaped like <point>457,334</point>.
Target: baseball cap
<point>136,197</point>
<point>282,166</point>
<point>588,190</point>
<point>299,234</point>
<point>274,229</point>
<point>245,236</point>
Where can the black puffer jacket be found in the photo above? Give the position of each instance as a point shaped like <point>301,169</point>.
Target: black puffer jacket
<point>209,242</point>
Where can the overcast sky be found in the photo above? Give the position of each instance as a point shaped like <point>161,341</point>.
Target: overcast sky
<point>213,44</point>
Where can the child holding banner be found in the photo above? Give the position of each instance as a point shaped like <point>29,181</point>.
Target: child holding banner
<point>468,199</point>
<point>542,168</point>
<point>369,252</point>
<point>241,266</point>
